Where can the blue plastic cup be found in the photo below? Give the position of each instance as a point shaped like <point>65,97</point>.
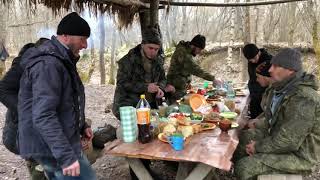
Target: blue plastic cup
<point>176,142</point>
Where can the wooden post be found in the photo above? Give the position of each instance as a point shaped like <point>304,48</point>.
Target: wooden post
<point>144,20</point>
<point>154,12</point>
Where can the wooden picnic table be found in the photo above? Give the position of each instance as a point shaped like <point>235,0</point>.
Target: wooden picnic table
<point>203,153</point>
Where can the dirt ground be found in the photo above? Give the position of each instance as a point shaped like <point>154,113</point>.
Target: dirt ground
<point>12,167</point>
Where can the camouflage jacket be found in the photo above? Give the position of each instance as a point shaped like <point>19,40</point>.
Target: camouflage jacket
<point>183,66</point>
<point>131,79</point>
<point>294,127</point>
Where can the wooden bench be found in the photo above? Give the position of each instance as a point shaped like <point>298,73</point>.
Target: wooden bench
<point>280,177</point>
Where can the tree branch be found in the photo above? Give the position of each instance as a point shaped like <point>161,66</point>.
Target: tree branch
<point>227,4</point>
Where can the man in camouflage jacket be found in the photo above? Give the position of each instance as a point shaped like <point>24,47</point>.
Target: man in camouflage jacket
<point>287,138</point>
<point>183,66</point>
<point>141,72</point>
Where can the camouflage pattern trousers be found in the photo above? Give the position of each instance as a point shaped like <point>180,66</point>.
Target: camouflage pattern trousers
<point>250,167</point>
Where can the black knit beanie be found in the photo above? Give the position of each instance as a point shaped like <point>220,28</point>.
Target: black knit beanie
<point>199,41</point>
<point>250,51</point>
<point>73,24</point>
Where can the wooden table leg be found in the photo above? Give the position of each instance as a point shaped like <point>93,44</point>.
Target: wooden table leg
<point>212,175</point>
<point>184,169</point>
<point>199,172</point>
<point>139,169</point>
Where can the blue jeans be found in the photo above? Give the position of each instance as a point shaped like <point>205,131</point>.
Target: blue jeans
<point>54,172</point>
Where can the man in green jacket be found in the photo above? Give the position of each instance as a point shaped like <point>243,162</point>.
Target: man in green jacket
<point>288,139</point>
<point>182,66</point>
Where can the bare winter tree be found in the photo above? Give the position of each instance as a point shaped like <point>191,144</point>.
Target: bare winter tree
<point>102,50</point>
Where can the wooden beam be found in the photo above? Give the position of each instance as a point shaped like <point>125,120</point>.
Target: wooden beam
<point>124,3</point>
<point>261,3</point>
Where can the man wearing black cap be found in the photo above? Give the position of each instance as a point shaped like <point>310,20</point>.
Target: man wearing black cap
<point>51,103</point>
<point>288,139</point>
<point>182,66</point>
<point>255,57</point>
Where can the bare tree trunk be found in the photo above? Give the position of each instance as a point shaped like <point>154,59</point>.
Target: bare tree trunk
<point>183,23</point>
<point>246,40</point>
<point>256,24</point>
<point>112,79</point>
<point>315,34</point>
<point>284,25</point>
<point>144,20</point>
<point>93,59</point>
<point>3,25</point>
<point>232,35</point>
<point>247,26</point>
<point>260,26</point>
<point>101,52</point>
<point>292,19</point>
<point>154,15</point>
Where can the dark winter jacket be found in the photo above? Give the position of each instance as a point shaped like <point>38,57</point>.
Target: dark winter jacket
<point>256,91</point>
<point>9,88</point>
<point>254,86</point>
<point>50,104</point>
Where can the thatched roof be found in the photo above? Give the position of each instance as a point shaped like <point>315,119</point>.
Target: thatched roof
<point>124,10</point>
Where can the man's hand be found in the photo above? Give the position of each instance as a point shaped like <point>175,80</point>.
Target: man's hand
<point>160,94</point>
<point>153,88</point>
<point>250,149</point>
<point>251,124</point>
<point>88,134</point>
<point>72,170</point>
<point>170,88</point>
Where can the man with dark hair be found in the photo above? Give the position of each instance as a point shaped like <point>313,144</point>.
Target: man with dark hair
<point>182,66</point>
<point>255,57</point>
<point>286,140</point>
<point>51,103</point>
<point>9,88</point>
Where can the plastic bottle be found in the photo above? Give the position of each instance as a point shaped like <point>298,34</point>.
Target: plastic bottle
<point>143,120</point>
<point>230,91</point>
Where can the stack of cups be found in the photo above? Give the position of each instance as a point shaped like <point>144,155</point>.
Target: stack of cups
<point>129,127</point>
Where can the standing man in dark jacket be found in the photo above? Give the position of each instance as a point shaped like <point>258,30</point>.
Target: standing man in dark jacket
<point>9,88</point>
<point>51,103</point>
<point>255,57</point>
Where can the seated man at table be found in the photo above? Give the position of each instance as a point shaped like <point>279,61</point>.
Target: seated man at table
<point>289,142</point>
<point>140,72</point>
<point>182,66</point>
<point>265,80</point>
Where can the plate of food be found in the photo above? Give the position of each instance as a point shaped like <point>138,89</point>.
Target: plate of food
<point>207,126</point>
<point>162,137</point>
<point>234,125</point>
<point>240,93</point>
<point>228,115</point>
<point>196,118</point>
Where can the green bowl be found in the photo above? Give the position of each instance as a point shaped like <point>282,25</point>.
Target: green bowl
<point>229,115</point>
